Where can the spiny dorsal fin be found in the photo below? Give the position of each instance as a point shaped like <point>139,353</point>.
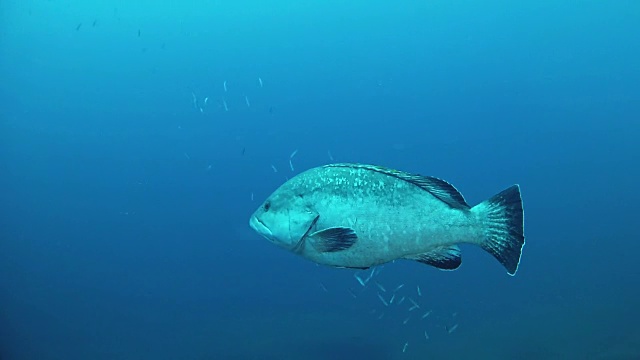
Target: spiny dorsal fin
<point>437,187</point>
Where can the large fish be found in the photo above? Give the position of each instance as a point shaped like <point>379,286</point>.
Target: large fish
<point>358,216</point>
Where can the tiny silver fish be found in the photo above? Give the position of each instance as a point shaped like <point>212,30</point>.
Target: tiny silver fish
<point>414,303</point>
<point>383,300</point>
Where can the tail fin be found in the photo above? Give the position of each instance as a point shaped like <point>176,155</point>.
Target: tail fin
<point>503,219</point>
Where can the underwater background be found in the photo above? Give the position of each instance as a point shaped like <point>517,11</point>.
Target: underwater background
<point>137,137</point>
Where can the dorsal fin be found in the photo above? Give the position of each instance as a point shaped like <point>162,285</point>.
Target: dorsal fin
<point>437,187</point>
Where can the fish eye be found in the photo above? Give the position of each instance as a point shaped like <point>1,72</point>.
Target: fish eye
<point>267,206</point>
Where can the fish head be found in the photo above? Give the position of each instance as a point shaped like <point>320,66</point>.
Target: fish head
<point>284,219</point>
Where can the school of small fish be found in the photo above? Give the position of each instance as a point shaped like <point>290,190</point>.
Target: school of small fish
<point>200,106</point>
<point>391,298</point>
<point>368,281</point>
<point>403,303</point>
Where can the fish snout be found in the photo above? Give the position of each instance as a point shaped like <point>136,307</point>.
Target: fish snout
<point>260,227</point>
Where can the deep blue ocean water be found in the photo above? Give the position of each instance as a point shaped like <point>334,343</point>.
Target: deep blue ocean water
<point>137,137</point>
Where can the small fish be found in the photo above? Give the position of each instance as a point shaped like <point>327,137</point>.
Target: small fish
<point>324,288</point>
<point>392,298</point>
<point>205,100</point>
<point>330,156</point>
<point>418,288</point>
<point>224,85</point>
<point>398,287</point>
<point>404,348</point>
<point>426,336</point>
<point>224,103</point>
<point>260,81</point>
<point>380,316</point>
<point>78,27</point>
<point>373,272</point>
<point>138,32</point>
<point>359,279</point>
<point>94,23</point>
<point>414,307</point>
<point>187,156</point>
<point>352,293</point>
<point>401,300</point>
<point>406,320</point>
<point>414,303</point>
<point>380,287</point>
<point>243,150</point>
<point>383,300</point>
<point>452,329</point>
<point>291,163</point>
<point>274,169</point>
<point>195,100</point>
<point>246,100</point>
<point>313,215</point>
<point>427,314</point>
<point>251,193</point>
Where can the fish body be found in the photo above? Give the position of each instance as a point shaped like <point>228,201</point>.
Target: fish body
<point>359,216</point>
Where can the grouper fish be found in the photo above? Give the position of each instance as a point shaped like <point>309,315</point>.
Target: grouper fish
<point>359,216</point>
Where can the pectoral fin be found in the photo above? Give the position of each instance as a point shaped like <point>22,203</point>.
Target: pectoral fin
<point>443,258</point>
<point>333,239</point>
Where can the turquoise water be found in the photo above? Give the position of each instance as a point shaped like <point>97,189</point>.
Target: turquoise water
<point>136,139</point>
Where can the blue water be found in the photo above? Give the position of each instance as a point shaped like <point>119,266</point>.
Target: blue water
<point>125,204</point>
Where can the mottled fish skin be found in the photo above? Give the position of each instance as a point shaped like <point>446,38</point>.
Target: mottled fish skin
<point>392,217</point>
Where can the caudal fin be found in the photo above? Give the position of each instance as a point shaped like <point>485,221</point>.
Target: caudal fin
<point>503,219</point>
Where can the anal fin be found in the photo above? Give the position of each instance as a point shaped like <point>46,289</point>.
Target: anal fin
<point>443,258</point>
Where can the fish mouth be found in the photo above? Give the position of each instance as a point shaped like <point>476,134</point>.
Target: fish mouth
<point>260,227</point>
